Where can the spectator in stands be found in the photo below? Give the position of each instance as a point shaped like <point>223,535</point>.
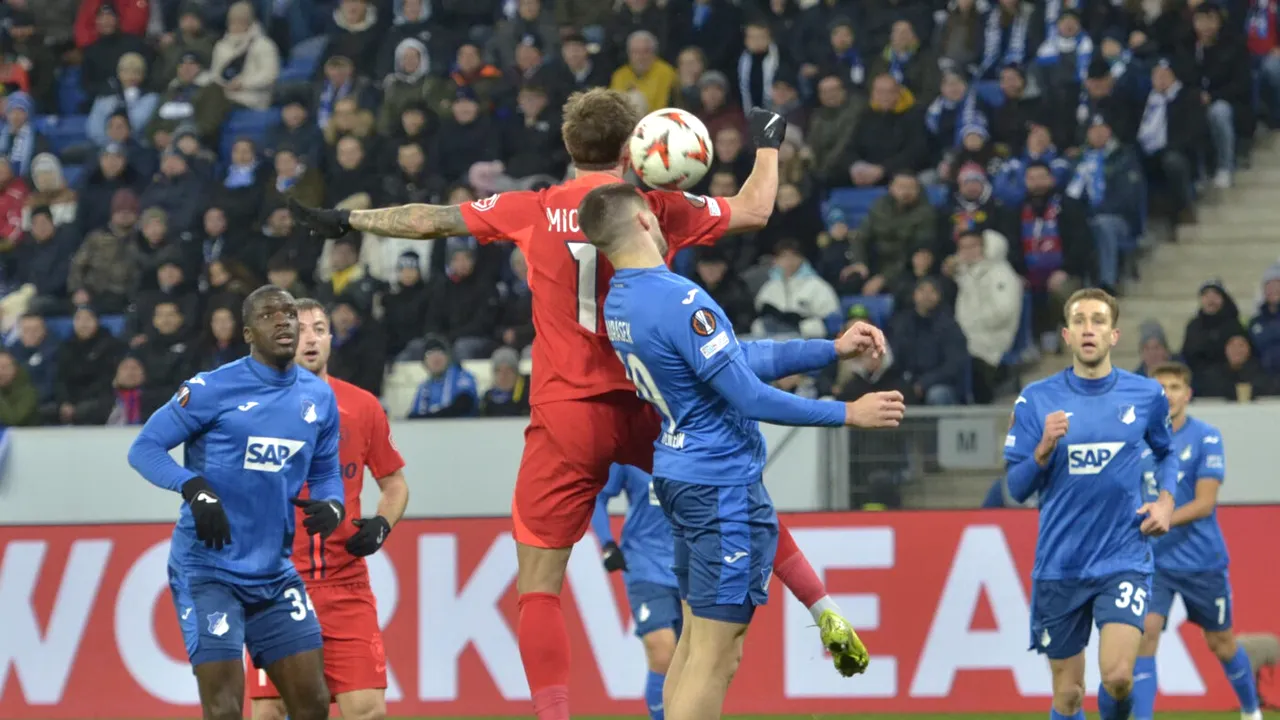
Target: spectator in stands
<point>888,137</point>
<point>1205,340</point>
<point>189,43</point>
<point>1169,134</point>
<point>1238,376</point>
<point>405,306</point>
<point>726,288</point>
<point>531,142</point>
<point>86,367</point>
<point>632,16</point>
<point>222,341</point>
<point>690,65</point>
<point>340,82</point>
<point>1009,37</point>
<point>1108,182</point>
<point>586,14</point>
<point>178,191</point>
<point>929,347</point>
<point>1057,251</point>
<point>974,148</point>
<point>108,175</point>
<point>345,276</point>
<point>1062,62</point>
<point>105,268</point>
<point>242,189</point>
<point>37,352</point>
<point>466,138</point>
<point>449,391</point>
<point>528,67</point>
<point>1264,328</point>
<point>509,395</point>
<point>1153,347</point>
<point>294,179</point>
<point>132,398</point>
<point>282,271</point>
<point>575,71</point>
<point>485,81</point>
<point>794,217</point>
<point>959,38</point>
<point>758,64</point>
<point>899,223</point>
<point>529,20</point>
<point>168,353</point>
<point>296,129</point>
<point>412,20</point>
<point>794,300</point>
<point>913,66</point>
<point>31,53</point>
<point>126,93</point>
<point>410,83</point>
<point>988,306</point>
<point>356,34</point>
<point>49,190</point>
<point>1009,123</point>
<point>410,181</point>
<point>858,376</point>
<point>943,116</point>
<point>1009,184</point>
<point>784,99</point>
<point>19,403</point>
<point>832,48</point>
<point>142,158</point>
<point>104,41</point>
<point>714,26</point>
<point>188,99</point>
<point>43,258</point>
<point>515,310</point>
<point>645,75</point>
<point>246,63</point>
<point>13,200</point>
<point>351,178</point>
<point>202,161</point>
<point>718,111</point>
<point>1104,96</point>
<point>19,140</point>
<point>1263,41</point>
<point>1226,90</point>
<point>463,307</point>
<point>971,207</point>
<point>923,264</point>
<point>359,345</point>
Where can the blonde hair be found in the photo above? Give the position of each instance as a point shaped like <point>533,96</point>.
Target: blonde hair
<point>132,61</point>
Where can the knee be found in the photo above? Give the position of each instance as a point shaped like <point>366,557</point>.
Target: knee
<point>1069,697</point>
<point>268,710</point>
<point>940,395</point>
<point>1270,67</point>
<point>659,652</point>
<point>312,705</point>
<point>1118,681</point>
<point>372,711</point>
<point>224,705</point>
<point>1221,111</point>
<point>1221,644</point>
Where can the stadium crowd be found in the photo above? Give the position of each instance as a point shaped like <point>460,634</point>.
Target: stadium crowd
<point>947,163</point>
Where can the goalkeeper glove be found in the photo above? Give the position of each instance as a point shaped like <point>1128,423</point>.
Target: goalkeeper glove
<point>613,560</point>
<point>322,516</point>
<point>328,224</point>
<point>212,527</point>
<point>767,128</point>
<point>369,537</point>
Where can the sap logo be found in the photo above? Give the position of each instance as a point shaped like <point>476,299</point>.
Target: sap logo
<point>270,454</point>
<point>1091,458</point>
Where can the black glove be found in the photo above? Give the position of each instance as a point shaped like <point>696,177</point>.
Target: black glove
<point>613,560</point>
<point>370,536</point>
<point>212,527</point>
<point>767,128</point>
<point>323,516</point>
<point>328,224</point>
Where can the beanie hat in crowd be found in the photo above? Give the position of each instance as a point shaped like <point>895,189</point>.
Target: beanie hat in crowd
<point>1214,284</point>
<point>435,342</point>
<point>409,259</point>
<point>971,171</point>
<point>505,356</point>
<point>835,216</point>
<point>125,200</point>
<point>1151,330</point>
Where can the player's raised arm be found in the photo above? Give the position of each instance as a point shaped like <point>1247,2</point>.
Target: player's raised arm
<point>771,360</point>
<point>1027,449</point>
<point>750,209</point>
<point>413,222</point>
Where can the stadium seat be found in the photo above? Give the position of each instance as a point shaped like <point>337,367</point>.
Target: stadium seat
<point>309,50</point>
<point>252,124</point>
<point>62,131</point>
<point>989,92</point>
<point>61,327</point>
<point>937,194</point>
<point>73,175</point>
<point>71,97</point>
<point>855,202</point>
<point>297,71</point>
<point>879,307</point>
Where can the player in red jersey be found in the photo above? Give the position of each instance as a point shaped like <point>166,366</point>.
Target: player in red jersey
<point>337,581</point>
<point>585,412</point>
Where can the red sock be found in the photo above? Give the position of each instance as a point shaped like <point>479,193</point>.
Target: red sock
<point>791,567</point>
<point>544,650</point>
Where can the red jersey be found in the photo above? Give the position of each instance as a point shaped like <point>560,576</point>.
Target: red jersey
<point>572,356</point>
<point>364,440</point>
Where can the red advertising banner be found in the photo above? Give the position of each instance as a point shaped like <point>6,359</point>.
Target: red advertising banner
<point>87,628</point>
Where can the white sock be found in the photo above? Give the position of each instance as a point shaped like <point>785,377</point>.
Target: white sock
<point>1255,715</point>
<point>823,605</point>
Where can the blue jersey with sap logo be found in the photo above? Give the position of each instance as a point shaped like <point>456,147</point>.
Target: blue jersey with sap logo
<point>1092,487</point>
<point>1197,546</point>
<point>255,434</point>
<point>646,533</point>
<point>679,349</point>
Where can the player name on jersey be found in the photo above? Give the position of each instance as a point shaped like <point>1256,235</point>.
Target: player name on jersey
<point>562,220</point>
<point>619,330</point>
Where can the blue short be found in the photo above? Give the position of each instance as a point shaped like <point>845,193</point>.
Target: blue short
<point>219,619</point>
<point>1064,611</point>
<point>655,607</point>
<point>1207,596</point>
<point>725,539</point>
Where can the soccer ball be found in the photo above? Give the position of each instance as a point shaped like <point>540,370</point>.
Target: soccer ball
<point>670,149</point>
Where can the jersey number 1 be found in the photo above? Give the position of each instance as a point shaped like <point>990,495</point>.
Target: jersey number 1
<point>584,258</point>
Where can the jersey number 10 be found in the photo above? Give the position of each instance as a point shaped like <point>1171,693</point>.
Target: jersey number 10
<point>639,376</point>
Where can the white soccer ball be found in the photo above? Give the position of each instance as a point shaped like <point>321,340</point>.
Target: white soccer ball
<point>671,149</point>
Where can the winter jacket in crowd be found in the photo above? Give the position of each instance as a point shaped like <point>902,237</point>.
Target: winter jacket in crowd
<point>1205,341</point>
<point>989,301</point>
<point>892,233</point>
<point>929,349</point>
<point>803,301</point>
<point>19,401</point>
<point>1264,328</point>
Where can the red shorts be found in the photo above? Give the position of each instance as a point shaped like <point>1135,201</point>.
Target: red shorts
<point>568,448</point>
<point>354,658</point>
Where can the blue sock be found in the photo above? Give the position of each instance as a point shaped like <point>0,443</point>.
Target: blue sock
<point>1055,715</point>
<point>1240,675</point>
<point>1110,708</point>
<point>653,695</point>
<point>1144,687</point>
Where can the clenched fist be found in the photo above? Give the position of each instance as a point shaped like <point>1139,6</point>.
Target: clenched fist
<point>862,338</point>
<point>875,410</point>
<point>1056,425</point>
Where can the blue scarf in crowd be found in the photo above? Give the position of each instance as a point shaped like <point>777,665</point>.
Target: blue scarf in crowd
<point>898,63</point>
<point>1042,246</point>
<point>993,41</point>
<point>19,147</point>
<point>1090,179</point>
<point>240,176</point>
<point>966,111</point>
<point>1153,131</point>
<point>1055,47</point>
<point>329,97</point>
<point>1259,20</point>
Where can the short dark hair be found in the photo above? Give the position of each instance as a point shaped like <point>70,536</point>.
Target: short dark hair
<point>1092,294</point>
<point>247,308</point>
<point>1177,369</point>
<point>601,209</point>
<point>309,304</point>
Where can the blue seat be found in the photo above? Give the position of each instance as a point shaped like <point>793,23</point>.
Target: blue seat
<point>309,50</point>
<point>855,202</point>
<point>938,194</point>
<point>988,91</point>
<point>251,124</point>
<point>879,307</point>
<point>73,175</point>
<point>71,97</point>
<point>62,131</point>
<point>61,327</point>
<point>300,70</point>
<point>1023,339</point>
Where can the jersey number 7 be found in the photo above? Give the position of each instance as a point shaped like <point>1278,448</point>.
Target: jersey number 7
<point>639,376</point>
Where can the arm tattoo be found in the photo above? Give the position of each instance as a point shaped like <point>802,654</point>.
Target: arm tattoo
<point>414,222</point>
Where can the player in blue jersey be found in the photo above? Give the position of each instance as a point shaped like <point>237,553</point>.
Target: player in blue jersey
<point>1191,560</point>
<point>680,351</point>
<point>1077,439</point>
<point>254,431</point>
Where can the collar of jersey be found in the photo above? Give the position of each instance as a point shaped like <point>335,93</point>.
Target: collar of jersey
<point>1087,386</point>
<point>639,271</point>
<point>270,375</point>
